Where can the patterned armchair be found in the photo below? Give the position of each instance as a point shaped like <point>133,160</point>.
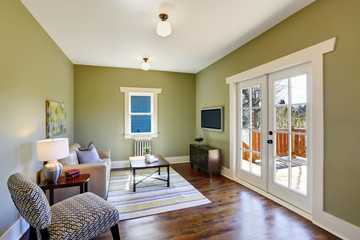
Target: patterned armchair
<point>83,216</point>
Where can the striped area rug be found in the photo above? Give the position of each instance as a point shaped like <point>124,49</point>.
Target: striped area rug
<point>152,196</point>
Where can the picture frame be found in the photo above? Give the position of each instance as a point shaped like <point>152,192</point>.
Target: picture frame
<point>55,118</point>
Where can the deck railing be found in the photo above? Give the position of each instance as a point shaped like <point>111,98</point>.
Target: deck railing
<point>298,146</point>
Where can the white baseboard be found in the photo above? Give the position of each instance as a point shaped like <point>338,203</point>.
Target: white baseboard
<point>179,159</point>
<point>337,226</point>
<point>226,172</point>
<point>172,160</point>
<point>120,164</point>
<point>16,230</point>
<point>334,225</point>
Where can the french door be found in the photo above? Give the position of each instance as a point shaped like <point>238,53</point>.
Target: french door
<point>273,134</point>
<point>252,115</point>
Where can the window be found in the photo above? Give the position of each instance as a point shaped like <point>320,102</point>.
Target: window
<point>140,111</point>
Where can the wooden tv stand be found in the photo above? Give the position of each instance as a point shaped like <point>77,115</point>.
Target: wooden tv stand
<point>206,158</point>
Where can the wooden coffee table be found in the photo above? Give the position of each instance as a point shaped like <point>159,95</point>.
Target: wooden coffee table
<point>81,181</point>
<point>139,163</point>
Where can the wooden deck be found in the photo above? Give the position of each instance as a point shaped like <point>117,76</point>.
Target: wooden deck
<point>298,144</point>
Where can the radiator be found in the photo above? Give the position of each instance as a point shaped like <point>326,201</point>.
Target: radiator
<point>140,143</point>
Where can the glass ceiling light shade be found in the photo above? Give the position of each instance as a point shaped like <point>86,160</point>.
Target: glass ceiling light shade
<point>145,65</point>
<point>163,28</point>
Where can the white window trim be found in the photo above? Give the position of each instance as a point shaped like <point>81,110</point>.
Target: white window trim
<point>153,92</point>
<point>314,54</point>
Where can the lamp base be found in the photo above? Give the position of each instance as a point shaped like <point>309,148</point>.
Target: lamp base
<point>52,171</point>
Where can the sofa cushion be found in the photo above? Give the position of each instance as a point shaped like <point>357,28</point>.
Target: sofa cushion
<point>72,158</point>
<point>90,156</point>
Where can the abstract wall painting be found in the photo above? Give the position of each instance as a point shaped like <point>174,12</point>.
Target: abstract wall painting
<point>55,119</point>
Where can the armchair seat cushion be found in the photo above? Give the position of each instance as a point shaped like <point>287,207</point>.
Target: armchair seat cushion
<point>83,216</point>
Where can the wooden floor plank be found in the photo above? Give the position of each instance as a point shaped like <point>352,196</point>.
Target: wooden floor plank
<point>236,212</point>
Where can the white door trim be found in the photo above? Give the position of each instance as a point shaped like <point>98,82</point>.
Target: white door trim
<point>314,54</point>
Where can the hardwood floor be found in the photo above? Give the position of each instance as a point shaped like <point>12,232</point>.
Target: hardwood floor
<point>235,213</point>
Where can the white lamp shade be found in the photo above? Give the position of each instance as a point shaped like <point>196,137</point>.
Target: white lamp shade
<point>145,66</point>
<point>52,149</point>
<point>163,29</point>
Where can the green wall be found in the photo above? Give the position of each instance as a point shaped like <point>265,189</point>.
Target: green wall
<point>319,21</point>
<point>32,70</point>
<point>99,109</point>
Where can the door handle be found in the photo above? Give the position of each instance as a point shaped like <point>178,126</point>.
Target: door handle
<point>270,141</point>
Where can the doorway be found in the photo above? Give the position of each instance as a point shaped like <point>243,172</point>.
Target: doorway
<point>273,133</point>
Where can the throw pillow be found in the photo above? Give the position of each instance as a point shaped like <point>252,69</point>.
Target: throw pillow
<point>90,156</point>
<point>87,148</point>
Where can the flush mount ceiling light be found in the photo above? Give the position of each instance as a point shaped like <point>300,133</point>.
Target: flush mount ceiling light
<point>163,28</point>
<point>145,65</point>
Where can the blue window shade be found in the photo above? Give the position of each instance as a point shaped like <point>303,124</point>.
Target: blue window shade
<point>140,104</point>
<point>140,123</point>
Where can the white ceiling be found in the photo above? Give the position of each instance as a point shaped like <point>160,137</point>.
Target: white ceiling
<point>119,33</point>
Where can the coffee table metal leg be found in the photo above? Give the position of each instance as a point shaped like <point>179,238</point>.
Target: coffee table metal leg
<point>86,186</point>
<point>81,188</point>
<point>134,185</point>
<point>51,193</point>
<point>159,170</point>
<point>33,234</point>
<point>168,176</point>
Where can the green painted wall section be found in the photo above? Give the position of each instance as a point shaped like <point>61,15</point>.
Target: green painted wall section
<point>319,21</point>
<point>32,70</point>
<point>99,109</point>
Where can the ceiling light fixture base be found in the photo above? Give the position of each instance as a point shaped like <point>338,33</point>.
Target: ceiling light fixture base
<point>145,65</point>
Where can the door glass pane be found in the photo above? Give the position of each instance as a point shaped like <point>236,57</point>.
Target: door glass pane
<point>256,96</point>
<point>299,177</point>
<point>298,89</point>
<point>245,160</point>
<point>282,119</point>
<point>140,104</point>
<point>298,147</point>
<point>256,118</point>
<point>256,157</point>
<point>298,118</point>
<point>245,96</point>
<point>282,172</point>
<point>282,144</point>
<point>246,118</point>
<point>256,141</point>
<point>256,164</point>
<point>245,139</point>
<point>281,92</point>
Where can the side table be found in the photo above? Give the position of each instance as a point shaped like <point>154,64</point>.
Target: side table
<point>81,181</point>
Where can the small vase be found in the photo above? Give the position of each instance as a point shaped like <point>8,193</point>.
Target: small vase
<point>147,156</point>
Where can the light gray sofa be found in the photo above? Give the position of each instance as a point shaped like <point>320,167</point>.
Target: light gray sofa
<point>99,174</point>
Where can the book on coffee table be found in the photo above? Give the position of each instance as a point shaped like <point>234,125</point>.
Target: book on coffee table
<point>151,160</point>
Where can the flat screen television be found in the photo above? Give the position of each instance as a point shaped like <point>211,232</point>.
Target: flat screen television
<point>212,119</point>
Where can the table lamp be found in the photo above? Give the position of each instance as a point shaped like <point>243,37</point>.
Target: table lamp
<point>51,150</point>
